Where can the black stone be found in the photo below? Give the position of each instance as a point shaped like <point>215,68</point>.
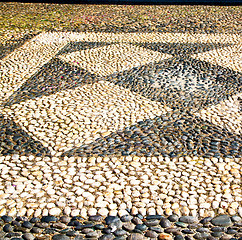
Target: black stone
<point>27,224</point>
<point>141,227</point>
<point>49,219</point>
<point>119,232</point>
<point>165,223</point>
<point>8,228</point>
<point>173,218</point>
<point>7,219</point>
<point>178,237</point>
<point>149,217</point>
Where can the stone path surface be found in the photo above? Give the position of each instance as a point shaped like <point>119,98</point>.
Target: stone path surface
<point>144,128</point>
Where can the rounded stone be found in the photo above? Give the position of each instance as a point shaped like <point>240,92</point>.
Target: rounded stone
<point>28,236</point>
<point>222,220</point>
<point>165,223</point>
<point>188,219</point>
<point>135,236</point>
<point>165,236</point>
<point>107,237</point>
<point>173,218</point>
<point>126,218</point>
<point>49,219</point>
<point>151,234</point>
<point>60,237</point>
<point>8,228</point>
<point>7,219</point>
<point>27,224</point>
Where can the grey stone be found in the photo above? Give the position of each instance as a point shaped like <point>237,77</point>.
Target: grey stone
<point>188,219</point>
<point>28,236</point>
<point>222,220</point>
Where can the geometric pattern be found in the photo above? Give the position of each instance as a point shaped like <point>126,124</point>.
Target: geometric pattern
<point>154,68</point>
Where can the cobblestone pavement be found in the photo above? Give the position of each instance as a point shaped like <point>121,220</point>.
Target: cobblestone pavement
<point>143,127</point>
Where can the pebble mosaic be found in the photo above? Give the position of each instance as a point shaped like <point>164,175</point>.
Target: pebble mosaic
<point>121,136</point>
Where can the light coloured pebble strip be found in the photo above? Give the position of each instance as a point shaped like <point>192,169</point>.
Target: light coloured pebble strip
<point>89,186</point>
<point>226,114</point>
<point>75,117</point>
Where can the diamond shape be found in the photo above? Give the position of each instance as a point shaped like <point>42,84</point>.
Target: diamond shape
<point>113,58</point>
<point>97,109</point>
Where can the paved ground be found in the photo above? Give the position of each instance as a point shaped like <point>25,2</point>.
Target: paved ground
<point>120,118</point>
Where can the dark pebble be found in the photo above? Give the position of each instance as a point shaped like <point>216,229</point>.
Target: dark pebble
<point>217,229</point>
<point>154,217</point>
<point>126,218</point>
<point>28,236</point>
<point>36,230</point>
<point>225,237</point>
<point>65,219</point>
<point>7,219</point>
<point>157,229</point>
<point>201,235</point>
<point>165,223</point>
<point>217,234</point>
<point>60,237</point>
<point>236,218</point>
<point>128,226</point>
<point>95,218</point>
<point>41,224</point>
<point>222,220</point>
<point>13,234</point>
<point>152,222</point>
<point>172,230</point>
<point>8,228</point>
<point>78,237</point>
<point>16,223</point>
<point>231,231</point>
<point>49,219</point>
<point>151,234</point>
<point>178,237</point>
<point>187,231</point>
<point>137,220</point>
<point>206,220</point>
<point>181,224</point>
<point>173,218</point>
<point>34,220</point>
<point>202,230</point>
<point>27,224</point>
<point>71,233</point>
<point>188,219</point>
<point>107,237</point>
<point>135,236</point>
<point>119,232</point>
<point>141,227</point>
<point>87,230</point>
<point>99,226</point>
<point>111,219</point>
<point>92,234</point>
<point>59,225</point>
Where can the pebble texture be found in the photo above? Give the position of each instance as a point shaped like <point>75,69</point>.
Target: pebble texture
<point>125,135</point>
